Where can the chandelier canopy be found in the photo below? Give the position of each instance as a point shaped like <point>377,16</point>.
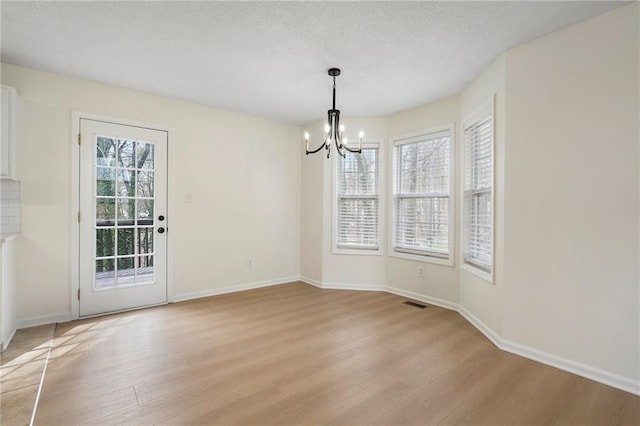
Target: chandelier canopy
<point>333,130</point>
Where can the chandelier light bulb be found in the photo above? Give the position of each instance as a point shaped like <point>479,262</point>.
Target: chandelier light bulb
<point>341,128</point>
<point>306,136</point>
<point>361,134</point>
<point>326,127</point>
<point>345,141</point>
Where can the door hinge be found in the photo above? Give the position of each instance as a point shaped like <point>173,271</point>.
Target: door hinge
<point>78,294</point>
<point>79,138</point>
<point>78,217</point>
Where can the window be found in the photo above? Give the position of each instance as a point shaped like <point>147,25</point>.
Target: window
<point>422,196</point>
<point>357,201</point>
<point>478,191</point>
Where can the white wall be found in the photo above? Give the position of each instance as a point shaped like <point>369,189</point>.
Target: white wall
<point>440,282</point>
<point>242,172</point>
<point>355,270</point>
<point>571,215</point>
<point>480,298</point>
<point>311,211</point>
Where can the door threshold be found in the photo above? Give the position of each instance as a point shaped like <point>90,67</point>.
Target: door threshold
<point>137,308</point>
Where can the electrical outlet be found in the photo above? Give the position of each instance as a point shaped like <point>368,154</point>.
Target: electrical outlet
<point>421,271</point>
<point>249,263</point>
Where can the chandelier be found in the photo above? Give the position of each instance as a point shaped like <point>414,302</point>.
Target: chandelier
<point>333,130</point>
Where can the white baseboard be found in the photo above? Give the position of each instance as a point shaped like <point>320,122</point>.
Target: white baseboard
<point>5,345</point>
<point>311,281</point>
<point>233,289</point>
<point>596,374</point>
<point>482,327</point>
<point>421,298</point>
<point>350,286</point>
<point>340,286</point>
<point>43,320</point>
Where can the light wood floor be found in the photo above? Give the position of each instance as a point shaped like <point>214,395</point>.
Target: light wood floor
<point>296,355</point>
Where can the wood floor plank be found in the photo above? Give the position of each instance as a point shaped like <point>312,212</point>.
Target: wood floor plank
<point>16,406</point>
<point>297,355</point>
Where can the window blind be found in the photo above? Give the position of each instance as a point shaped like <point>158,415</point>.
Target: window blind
<point>478,193</point>
<point>357,200</point>
<point>422,192</point>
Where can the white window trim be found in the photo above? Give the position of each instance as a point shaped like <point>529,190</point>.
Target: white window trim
<point>488,106</point>
<point>410,138</point>
<point>335,249</point>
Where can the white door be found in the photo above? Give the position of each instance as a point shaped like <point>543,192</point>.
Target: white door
<point>123,223</point>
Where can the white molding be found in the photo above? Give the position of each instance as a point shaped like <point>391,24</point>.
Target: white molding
<point>75,208</point>
<point>375,143</point>
<point>5,345</point>
<point>43,320</point>
<point>484,276</point>
<point>340,286</point>
<point>311,281</point>
<point>487,106</point>
<point>583,370</point>
<point>424,258</point>
<point>422,298</point>
<point>395,142</point>
<point>233,289</point>
<point>481,326</point>
<point>352,286</point>
<point>611,379</point>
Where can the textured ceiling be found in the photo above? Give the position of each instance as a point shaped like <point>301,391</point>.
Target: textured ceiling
<point>270,58</point>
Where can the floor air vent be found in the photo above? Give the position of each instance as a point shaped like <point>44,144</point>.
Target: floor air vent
<point>415,304</point>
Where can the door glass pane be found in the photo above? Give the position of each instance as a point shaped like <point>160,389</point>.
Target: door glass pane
<point>105,211</point>
<point>144,269</point>
<point>105,242</point>
<point>126,154</point>
<point>145,212</point>
<point>126,211</point>
<point>105,273</point>
<point>145,184</point>
<point>126,183</point>
<point>125,241</point>
<point>105,152</point>
<point>105,181</point>
<point>145,240</point>
<point>144,155</point>
<point>126,271</point>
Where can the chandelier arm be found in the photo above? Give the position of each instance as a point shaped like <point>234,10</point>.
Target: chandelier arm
<point>356,151</point>
<point>316,150</point>
<point>338,148</point>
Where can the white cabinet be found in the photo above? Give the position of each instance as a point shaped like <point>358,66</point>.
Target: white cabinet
<point>8,141</point>
<point>7,292</point>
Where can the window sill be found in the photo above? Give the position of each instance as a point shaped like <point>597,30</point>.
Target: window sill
<point>485,276</point>
<point>356,251</point>
<point>422,258</point>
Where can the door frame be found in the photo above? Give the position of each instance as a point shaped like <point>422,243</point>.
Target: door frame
<point>76,116</point>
